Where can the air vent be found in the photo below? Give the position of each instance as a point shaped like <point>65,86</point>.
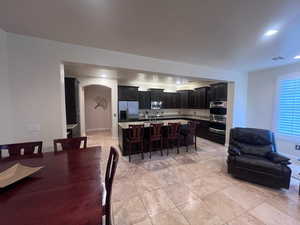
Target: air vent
<point>277,58</point>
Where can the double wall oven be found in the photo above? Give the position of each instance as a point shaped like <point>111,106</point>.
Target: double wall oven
<point>218,111</point>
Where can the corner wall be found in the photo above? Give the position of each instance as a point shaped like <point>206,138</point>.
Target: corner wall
<point>5,93</point>
<point>262,86</point>
<point>34,70</point>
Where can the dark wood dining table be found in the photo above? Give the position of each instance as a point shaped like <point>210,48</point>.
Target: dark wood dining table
<point>67,191</point>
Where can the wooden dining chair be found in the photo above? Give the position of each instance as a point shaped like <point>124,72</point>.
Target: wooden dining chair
<point>155,137</point>
<point>22,150</point>
<point>173,135</point>
<point>70,143</point>
<point>135,137</point>
<point>108,183</point>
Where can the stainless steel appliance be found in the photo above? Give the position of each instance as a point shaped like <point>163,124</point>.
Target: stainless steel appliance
<point>156,104</point>
<point>218,111</point>
<point>128,110</point>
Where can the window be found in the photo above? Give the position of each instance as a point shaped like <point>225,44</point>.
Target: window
<point>288,120</point>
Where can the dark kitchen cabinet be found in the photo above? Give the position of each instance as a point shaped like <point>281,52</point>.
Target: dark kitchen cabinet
<point>72,100</point>
<point>186,99</point>
<point>156,95</point>
<point>144,99</point>
<point>201,100</point>
<point>218,92</point>
<point>127,93</point>
<point>171,100</point>
<point>202,129</point>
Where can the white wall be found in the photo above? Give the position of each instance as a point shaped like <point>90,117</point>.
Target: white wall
<point>262,88</point>
<point>34,72</point>
<point>5,94</point>
<point>97,118</point>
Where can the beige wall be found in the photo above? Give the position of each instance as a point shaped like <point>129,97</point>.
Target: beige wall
<point>99,118</point>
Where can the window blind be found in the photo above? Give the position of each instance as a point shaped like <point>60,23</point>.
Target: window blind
<point>288,122</point>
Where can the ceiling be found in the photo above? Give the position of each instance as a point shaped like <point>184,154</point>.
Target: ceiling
<point>126,76</point>
<point>216,33</point>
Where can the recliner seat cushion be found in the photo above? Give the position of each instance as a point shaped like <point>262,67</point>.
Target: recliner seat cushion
<point>259,164</point>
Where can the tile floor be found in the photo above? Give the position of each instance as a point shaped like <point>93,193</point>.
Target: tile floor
<point>193,188</point>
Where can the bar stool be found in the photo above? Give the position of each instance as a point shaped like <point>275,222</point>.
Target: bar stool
<point>135,137</point>
<point>189,134</point>
<point>156,137</point>
<point>173,135</point>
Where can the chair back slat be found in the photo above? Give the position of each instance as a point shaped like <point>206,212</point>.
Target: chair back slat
<point>70,143</point>
<point>192,125</point>
<point>20,150</point>
<point>155,129</point>
<point>173,129</point>
<point>109,178</point>
<point>136,132</point>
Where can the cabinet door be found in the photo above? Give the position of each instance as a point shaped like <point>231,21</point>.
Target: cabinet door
<point>127,93</point>
<point>184,99</point>
<point>156,95</point>
<point>219,92</point>
<point>144,99</point>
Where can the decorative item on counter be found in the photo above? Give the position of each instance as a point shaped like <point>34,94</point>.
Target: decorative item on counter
<point>146,115</point>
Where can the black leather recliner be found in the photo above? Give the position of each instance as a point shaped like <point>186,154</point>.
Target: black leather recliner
<point>253,157</point>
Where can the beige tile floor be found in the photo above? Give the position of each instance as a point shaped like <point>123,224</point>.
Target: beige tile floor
<point>192,188</point>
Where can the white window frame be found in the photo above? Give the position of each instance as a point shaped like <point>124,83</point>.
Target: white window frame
<point>276,108</point>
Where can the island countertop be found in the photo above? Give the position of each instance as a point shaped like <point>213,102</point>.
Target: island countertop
<point>125,125</point>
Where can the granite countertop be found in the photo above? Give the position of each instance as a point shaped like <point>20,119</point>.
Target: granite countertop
<point>180,117</point>
<point>125,125</point>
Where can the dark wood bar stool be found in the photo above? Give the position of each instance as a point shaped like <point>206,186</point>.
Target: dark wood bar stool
<point>189,135</point>
<point>173,135</point>
<point>22,150</point>
<point>135,137</point>
<point>70,143</point>
<point>156,137</point>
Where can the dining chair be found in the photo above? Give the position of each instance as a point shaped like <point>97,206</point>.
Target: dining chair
<point>108,183</point>
<point>22,150</point>
<point>70,143</point>
<point>173,135</point>
<point>135,137</point>
<point>155,137</point>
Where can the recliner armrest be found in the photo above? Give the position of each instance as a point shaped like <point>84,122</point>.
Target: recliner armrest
<point>233,151</point>
<point>278,158</point>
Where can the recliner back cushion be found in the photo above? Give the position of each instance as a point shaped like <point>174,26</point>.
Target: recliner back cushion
<point>252,136</point>
<point>252,141</point>
<point>257,150</point>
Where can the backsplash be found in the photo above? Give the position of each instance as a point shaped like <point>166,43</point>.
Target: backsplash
<point>175,112</point>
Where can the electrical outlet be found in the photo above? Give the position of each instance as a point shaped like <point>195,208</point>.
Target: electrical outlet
<point>297,147</point>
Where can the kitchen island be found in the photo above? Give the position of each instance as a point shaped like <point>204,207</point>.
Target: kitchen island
<point>124,133</point>
<point>202,130</point>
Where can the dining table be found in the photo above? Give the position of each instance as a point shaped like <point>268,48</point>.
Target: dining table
<point>66,191</point>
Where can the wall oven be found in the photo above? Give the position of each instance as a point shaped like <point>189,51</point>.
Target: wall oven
<point>218,111</point>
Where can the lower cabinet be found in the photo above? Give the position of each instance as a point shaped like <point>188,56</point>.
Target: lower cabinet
<point>202,131</point>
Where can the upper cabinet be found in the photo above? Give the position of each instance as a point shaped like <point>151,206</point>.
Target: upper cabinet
<point>72,100</point>
<point>186,99</point>
<point>127,93</point>
<point>171,100</point>
<point>218,92</point>
<point>156,95</point>
<point>144,99</point>
<point>201,100</point>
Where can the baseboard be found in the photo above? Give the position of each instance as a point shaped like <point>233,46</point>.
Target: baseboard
<point>98,129</point>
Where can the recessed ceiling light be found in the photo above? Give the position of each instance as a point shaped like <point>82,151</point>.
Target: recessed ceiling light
<point>297,57</point>
<point>178,82</point>
<point>271,32</point>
